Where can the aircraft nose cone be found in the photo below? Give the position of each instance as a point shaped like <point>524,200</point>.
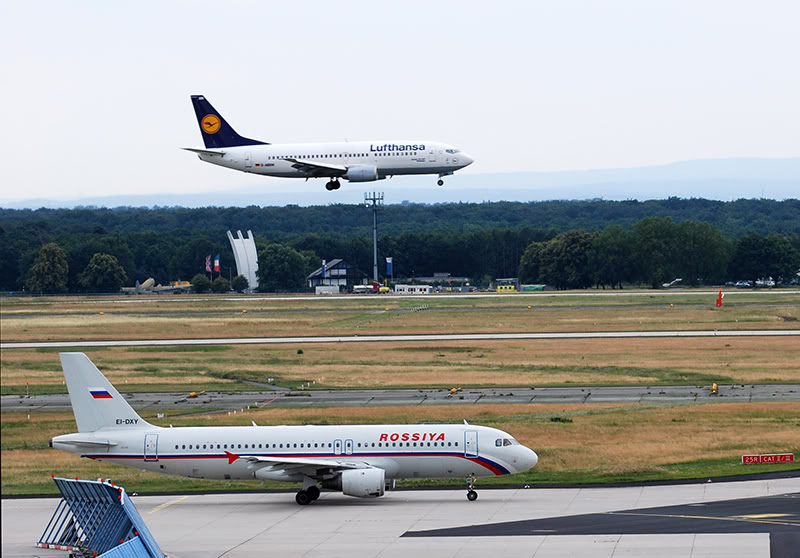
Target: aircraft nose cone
<point>466,160</point>
<point>532,459</point>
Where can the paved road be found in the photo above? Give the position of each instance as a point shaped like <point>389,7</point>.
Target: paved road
<point>401,338</point>
<point>362,398</point>
<point>243,525</point>
<point>777,515</point>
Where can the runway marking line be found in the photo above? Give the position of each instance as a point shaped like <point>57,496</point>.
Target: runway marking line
<point>740,518</point>
<point>764,515</point>
<point>168,504</point>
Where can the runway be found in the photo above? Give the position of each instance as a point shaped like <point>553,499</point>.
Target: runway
<point>269,398</point>
<point>402,338</point>
<point>750,518</point>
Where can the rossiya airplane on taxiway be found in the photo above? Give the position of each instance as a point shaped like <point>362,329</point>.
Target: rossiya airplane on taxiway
<point>361,161</point>
<point>357,460</point>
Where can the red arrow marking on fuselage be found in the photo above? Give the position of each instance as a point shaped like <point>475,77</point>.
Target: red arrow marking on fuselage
<point>231,457</point>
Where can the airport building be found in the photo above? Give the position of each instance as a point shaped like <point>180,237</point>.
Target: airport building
<point>338,273</point>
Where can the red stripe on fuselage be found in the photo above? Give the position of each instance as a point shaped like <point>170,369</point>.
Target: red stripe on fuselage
<point>478,461</point>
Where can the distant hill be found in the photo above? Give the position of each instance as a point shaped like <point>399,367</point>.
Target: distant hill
<point>712,179</point>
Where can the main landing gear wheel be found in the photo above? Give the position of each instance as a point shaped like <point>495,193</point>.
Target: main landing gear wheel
<point>472,495</point>
<point>440,182</point>
<point>313,492</point>
<point>303,498</point>
<point>332,185</point>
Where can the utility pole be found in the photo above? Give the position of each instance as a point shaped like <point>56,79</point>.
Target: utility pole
<point>374,201</point>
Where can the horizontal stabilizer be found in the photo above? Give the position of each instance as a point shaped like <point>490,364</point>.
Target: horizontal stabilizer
<point>204,151</point>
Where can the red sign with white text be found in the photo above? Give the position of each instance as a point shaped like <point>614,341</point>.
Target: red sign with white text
<point>768,458</point>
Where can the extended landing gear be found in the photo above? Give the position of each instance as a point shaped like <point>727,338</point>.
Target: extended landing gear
<point>305,497</point>
<point>440,182</point>
<point>471,494</point>
<point>332,185</point>
<point>302,498</point>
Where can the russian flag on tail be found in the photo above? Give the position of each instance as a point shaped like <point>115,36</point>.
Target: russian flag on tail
<point>100,393</point>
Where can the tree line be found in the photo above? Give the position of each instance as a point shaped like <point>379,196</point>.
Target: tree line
<point>658,250</point>
<point>654,250</point>
<point>732,219</point>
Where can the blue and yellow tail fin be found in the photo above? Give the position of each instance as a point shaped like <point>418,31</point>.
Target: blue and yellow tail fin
<point>215,130</point>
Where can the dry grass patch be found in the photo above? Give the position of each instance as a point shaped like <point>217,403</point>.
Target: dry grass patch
<point>297,318</point>
<point>693,361</point>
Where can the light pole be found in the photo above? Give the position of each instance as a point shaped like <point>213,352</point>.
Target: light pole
<point>374,201</point>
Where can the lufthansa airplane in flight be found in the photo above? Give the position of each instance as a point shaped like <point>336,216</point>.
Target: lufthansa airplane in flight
<point>362,161</point>
<point>357,460</point>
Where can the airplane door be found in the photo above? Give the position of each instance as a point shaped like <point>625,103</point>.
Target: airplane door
<point>432,155</point>
<point>337,447</point>
<point>151,447</point>
<point>248,160</point>
<point>471,443</point>
<point>348,447</point>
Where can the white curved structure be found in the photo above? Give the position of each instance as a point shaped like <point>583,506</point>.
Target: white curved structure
<point>244,252</point>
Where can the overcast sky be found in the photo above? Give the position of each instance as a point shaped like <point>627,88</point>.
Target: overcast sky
<point>95,95</point>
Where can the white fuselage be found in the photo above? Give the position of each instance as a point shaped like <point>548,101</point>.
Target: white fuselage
<point>403,451</point>
<point>388,157</point>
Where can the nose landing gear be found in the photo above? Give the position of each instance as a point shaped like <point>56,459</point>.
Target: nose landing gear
<point>471,494</point>
<point>332,185</point>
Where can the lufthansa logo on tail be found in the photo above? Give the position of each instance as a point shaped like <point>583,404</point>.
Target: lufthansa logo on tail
<point>210,123</point>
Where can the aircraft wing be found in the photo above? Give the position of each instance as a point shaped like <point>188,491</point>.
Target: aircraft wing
<point>309,466</point>
<point>315,168</point>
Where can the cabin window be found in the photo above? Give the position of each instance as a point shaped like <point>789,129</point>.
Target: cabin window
<point>456,444</point>
<point>204,446</point>
<point>183,447</point>
<point>217,446</point>
<point>176,446</point>
<point>240,446</point>
<point>295,445</point>
<point>226,446</point>
<point>449,443</point>
<point>373,444</point>
<point>245,446</point>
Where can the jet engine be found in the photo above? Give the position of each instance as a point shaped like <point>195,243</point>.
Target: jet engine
<point>362,173</point>
<point>361,483</point>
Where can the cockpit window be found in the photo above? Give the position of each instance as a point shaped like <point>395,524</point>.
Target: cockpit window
<point>451,150</point>
<point>513,442</point>
<point>506,442</point>
<point>498,442</point>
